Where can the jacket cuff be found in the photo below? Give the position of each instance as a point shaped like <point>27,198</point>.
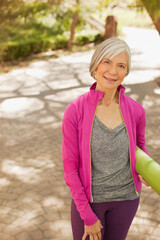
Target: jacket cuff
<point>92,219</point>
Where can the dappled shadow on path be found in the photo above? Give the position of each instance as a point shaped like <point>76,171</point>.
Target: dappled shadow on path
<point>34,200</point>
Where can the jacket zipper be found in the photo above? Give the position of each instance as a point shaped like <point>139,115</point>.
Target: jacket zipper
<point>129,145</point>
<point>91,197</point>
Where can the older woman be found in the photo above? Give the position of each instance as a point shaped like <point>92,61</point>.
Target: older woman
<point>101,130</point>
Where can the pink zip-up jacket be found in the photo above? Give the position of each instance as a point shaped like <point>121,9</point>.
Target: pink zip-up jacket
<point>77,127</point>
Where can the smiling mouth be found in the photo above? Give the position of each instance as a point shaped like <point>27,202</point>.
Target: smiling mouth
<point>110,79</point>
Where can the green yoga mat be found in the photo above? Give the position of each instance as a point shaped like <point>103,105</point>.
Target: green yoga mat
<point>149,169</point>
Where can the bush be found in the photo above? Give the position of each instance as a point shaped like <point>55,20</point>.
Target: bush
<point>14,50</point>
<point>85,39</point>
<point>21,49</point>
<point>60,41</point>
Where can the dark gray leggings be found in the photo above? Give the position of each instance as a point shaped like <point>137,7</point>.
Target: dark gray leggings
<point>116,218</point>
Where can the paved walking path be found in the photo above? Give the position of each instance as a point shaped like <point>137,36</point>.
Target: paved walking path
<point>34,201</point>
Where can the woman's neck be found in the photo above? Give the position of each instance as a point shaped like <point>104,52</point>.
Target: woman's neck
<point>110,96</point>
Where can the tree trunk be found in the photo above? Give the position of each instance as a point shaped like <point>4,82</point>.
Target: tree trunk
<point>152,8</point>
<point>110,27</point>
<point>73,26</point>
<point>157,24</point>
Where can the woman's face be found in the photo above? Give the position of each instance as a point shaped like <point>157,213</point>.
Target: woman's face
<point>111,72</point>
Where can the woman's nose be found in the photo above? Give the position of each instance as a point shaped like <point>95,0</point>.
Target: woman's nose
<point>113,70</point>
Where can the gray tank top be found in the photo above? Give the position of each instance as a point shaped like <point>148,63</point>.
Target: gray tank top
<point>111,173</point>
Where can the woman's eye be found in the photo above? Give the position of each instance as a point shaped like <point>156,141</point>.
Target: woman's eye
<point>107,61</point>
<point>122,66</point>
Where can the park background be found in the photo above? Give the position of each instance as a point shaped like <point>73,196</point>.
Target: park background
<point>45,50</point>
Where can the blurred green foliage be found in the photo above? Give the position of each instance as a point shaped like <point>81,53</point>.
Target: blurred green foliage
<point>32,27</point>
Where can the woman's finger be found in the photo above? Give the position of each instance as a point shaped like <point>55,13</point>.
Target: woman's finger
<point>84,236</point>
<point>99,236</point>
<point>143,181</point>
<point>91,237</point>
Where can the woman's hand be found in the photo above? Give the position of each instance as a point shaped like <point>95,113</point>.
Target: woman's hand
<point>143,181</point>
<point>94,231</point>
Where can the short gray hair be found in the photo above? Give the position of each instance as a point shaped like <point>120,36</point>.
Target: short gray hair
<point>109,48</point>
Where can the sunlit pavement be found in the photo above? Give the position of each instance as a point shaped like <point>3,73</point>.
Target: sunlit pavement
<point>34,201</point>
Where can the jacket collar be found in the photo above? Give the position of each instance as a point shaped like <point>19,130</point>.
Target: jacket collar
<point>96,95</point>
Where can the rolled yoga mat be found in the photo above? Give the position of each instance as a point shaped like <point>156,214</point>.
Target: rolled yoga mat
<point>149,169</point>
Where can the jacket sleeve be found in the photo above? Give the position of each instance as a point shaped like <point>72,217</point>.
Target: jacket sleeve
<point>70,155</point>
<point>141,131</point>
